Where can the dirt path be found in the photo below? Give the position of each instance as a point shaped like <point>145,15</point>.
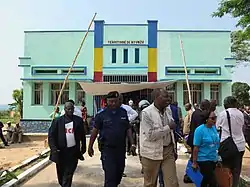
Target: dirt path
<point>246,164</point>
<point>89,173</point>
<point>16,153</point>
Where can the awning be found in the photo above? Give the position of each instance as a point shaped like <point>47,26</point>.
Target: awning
<point>103,88</point>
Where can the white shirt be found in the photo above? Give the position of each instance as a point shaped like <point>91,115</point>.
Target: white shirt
<point>70,137</point>
<point>237,122</point>
<point>132,114</point>
<point>77,112</point>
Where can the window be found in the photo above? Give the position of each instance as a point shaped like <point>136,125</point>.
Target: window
<point>125,78</point>
<point>196,93</point>
<point>172,91</point>
<point>177,70</point>
<point>137,55</point>
<point>80,94</point>
<point>125,56</point>
<point>55,91</point>
<point>208,70</point>
<point>38,93</point>
<point>215,93</point>
<point>42,71</point>
<point>113,55</point>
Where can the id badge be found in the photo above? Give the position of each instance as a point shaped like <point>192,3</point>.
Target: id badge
<point>212,145</point>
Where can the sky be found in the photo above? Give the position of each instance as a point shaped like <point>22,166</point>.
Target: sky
<point>17,16</point>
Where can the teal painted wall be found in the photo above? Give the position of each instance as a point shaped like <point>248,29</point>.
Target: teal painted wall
<point>125,33</point>
<point>57,49</point>
<point>43,111</point>
<point>204,49</point>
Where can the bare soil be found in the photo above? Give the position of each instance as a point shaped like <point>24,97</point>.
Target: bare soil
<point>246,164</point>
<point>16,153</point>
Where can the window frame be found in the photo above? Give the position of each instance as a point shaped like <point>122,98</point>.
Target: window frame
<point>137,55</point>
<point>125,56</point>
<point>57,92</point>
<point>199,93</point>
<point>40,91</point>
<point>172,91</point>
<point>79,90</point>
<point>216,92</point>
<point>113,56</point>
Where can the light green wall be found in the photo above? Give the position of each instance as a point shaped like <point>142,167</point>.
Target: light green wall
<point>43,111</point>
<point>119,33</point>
<point>54,49</point>
<point>59,48</point>
<point>205,49</point>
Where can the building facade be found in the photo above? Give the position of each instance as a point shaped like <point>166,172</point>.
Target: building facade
<point>122,53</point>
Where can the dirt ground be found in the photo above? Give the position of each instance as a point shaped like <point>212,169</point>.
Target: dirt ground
<point>246,164</point>
<point>16,153</point>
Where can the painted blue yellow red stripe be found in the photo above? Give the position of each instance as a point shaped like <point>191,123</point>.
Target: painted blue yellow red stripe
<point>152,50</point>
<point>98,50</point>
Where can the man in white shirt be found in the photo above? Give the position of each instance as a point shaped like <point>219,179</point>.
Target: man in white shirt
<point>157,143</point>
<point>77,111</point>
<point>237,122</point>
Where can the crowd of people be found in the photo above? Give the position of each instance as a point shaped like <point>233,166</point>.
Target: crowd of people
<point>154,128</point>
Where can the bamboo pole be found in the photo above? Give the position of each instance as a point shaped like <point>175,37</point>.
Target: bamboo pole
<point>185,68</point>
<point>73,63</point>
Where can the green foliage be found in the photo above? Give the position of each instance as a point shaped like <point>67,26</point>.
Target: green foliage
<point>17,95</point>
<point>9,176</point>
<point>241,92</point>
<point>240,48</point>
<point>240,39</point>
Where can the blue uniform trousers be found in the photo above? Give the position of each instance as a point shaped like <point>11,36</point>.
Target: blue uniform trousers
<point>113,164</point>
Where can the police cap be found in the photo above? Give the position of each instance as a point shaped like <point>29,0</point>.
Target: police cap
<point>113,94</point>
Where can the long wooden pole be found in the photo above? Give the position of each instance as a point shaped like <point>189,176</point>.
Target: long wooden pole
<point>185,68</point>
<point>73,63</point>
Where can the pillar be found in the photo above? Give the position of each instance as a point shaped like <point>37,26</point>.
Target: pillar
<point>98,50</point>
<point>152,50</point>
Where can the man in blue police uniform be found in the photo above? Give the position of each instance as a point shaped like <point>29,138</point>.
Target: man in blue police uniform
<point>113,126</point>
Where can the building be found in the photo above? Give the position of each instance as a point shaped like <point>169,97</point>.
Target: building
<point>122,53</point>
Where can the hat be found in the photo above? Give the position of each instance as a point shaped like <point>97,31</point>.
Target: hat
<point>130,102</point>
<point>143,103</point>
<point>113,94</point>
<point>8,122</point>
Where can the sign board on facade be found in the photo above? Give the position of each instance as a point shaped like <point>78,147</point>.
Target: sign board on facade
<point>126,42</point>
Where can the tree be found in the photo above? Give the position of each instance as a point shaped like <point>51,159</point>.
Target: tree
<point>240,48</point>
<point>240,90</point>
<point>239,9</point>
<point>17,95</point>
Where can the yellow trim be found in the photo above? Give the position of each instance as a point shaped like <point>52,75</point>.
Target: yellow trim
<point>98,59</point>
<point>152,59</point>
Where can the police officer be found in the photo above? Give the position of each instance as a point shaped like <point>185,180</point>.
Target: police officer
<point>113,126</point>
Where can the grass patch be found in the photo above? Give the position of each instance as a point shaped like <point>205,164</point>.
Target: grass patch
<point>11,175</point>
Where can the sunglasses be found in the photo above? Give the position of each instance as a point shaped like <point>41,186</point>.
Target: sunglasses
<point>213,118</point>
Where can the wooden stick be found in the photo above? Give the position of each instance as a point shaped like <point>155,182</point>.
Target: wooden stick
<point>73,63</point>
<point>185,68</point>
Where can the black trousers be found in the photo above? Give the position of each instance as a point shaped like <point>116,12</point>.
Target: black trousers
<point>128,143</point>
<point>66,166</point>
<point>113,164</point>
<point>2,137</point>
<point>207,169</point>
<point>235,164</point>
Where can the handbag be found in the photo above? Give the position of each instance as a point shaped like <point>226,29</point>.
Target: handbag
<point>223,176</point>
<point>227,148</point>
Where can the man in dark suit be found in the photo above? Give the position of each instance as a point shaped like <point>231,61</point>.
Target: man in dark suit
<point>67,142</point>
